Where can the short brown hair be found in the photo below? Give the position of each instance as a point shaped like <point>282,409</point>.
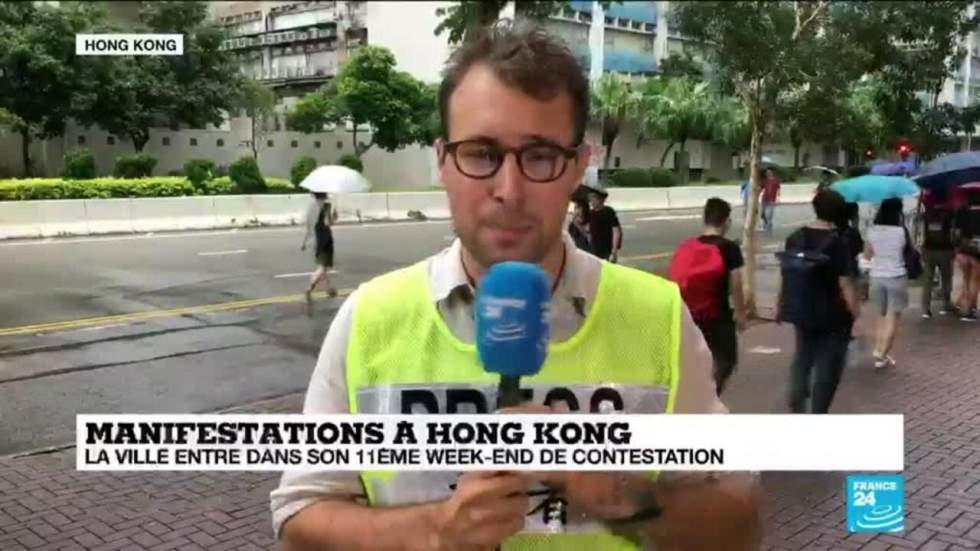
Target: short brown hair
<point>525,57</point>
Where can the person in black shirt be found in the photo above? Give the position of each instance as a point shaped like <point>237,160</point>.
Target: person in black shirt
<point>968,255</point>
<point>817,296</point>
<point>578,228</point>
<point>937,253</point>
<point>720,333</point>
<point>607,234</point>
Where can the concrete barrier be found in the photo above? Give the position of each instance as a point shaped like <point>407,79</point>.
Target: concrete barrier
<point>19,219</point>
<point>362,207</point>
<point>109,215</point>
<point>695,197</point>
<point>433,204</point>
<point>638,199</point>
<point>797,193</point>
<point>232,211</point>
<point>172,213</point>
<point>62,218</point>
<point>278,210</point>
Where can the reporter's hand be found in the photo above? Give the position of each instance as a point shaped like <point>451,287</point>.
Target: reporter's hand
<point>484,510</point>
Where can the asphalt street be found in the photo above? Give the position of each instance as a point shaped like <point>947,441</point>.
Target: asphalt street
<point>194,322</point>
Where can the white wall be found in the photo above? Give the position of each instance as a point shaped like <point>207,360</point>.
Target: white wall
<point>407,29</point>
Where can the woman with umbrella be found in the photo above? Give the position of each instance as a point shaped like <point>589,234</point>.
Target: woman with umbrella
<point>320,216</point>
<point>885,246</point>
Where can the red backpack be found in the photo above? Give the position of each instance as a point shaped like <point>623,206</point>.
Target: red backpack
<point>699,270</point>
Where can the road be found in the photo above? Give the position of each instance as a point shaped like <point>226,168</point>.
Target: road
<point>195,322</point>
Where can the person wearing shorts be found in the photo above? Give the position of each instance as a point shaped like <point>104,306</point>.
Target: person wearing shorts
<point>968,256</point>
<point>889,292</point>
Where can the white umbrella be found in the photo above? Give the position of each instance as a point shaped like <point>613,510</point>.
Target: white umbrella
<point>823,169</point>
<point>335,179</point>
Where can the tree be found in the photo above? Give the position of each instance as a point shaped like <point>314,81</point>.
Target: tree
<point>677,110</point>
<point>613,103</point>
<point>258,103</point>
<point>681,65</point>
<point>770,49</point>
<point>129,95</point>
<point>40,71</point>
<point>369,93</point>
<point>465,18</point>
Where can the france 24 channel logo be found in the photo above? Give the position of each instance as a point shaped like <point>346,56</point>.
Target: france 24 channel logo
<point>875,503</point>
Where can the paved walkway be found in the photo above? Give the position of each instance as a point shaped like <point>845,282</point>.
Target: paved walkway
<point>46,505</point>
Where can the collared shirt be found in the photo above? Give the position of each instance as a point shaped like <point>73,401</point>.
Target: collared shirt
<point>454,296</point>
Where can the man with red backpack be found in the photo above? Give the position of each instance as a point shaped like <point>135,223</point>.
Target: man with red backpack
<point>708,269</point>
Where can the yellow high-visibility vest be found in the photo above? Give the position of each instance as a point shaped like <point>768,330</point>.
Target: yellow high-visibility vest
<point>403,358</point>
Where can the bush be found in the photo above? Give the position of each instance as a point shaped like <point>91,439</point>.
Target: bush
<point>199,171</point>
<point>302,167</point>
<point>221,185</point>
<point>99,188</point>
<point>630,177</point>
<point>221,170</point>
<point>134,166</point>
<point>280,185</point>
<point>662,177</point>
<point>246,175</point>
<point>78,165</point>
<point>712,180</point>
<point>351,162</point>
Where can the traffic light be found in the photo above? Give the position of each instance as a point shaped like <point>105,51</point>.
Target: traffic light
<point>869,153</point>
<point>904,149</point>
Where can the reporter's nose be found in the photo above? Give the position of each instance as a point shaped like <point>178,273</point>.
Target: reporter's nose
<point>509,182</point>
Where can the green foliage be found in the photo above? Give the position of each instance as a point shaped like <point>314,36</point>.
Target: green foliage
<point>199,171</point>
<point>465,19</point>
<point>100,188</point>
<point>257,102</point>
<point>370,92</point>
<point>642,177</point>
<point>139,165</point>
<point>614,102</point>
<point>351,162</point>
<point>279,185</point>
<point>681,65</point>
<point>78,165</point>
<point>302,167</point>
<point>223,185</point>
<point>678,110</point>
<point>246,175</point>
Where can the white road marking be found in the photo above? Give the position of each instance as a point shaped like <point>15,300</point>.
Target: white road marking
<point>100,327</point>
<point>765,350</point>
<point>223,253</point>
<point>628,226</point>
<point>297,274</point>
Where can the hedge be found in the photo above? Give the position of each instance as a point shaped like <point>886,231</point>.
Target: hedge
<point>106,188</point>
<point>642,177</point>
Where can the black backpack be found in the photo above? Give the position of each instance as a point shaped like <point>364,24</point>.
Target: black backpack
<point>811,296</point>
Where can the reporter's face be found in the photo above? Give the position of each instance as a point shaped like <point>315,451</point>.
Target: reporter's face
<point>508,216</point>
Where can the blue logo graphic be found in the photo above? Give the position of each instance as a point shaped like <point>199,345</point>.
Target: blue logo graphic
<point>876,503</point>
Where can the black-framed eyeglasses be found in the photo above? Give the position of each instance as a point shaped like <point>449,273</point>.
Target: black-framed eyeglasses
<point>539,162</point>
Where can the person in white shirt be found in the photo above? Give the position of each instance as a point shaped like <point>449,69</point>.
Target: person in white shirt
<point>885,247</point>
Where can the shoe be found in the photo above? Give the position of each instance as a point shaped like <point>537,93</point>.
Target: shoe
<point>969,316</point>
<point>880,362</point>
<point>926,315</point>
<point>945,311</point>
<point>889,361</point>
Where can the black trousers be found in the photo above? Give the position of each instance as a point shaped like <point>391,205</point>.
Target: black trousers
<point>817,367</point>
<point>722,339</point>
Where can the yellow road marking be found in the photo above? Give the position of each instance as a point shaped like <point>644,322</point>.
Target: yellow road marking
<point>155,314</point>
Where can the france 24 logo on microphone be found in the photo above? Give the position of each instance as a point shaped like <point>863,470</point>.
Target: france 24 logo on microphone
<point>129,44</point>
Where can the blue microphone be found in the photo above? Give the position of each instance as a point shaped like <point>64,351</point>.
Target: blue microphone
<point>512,325</point>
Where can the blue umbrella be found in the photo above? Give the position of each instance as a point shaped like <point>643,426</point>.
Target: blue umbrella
<point>901,168</point>
<point>950,170</point>
<point>875,189</point>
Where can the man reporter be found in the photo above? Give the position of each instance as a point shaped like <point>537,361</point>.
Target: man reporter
<point>510,163</point>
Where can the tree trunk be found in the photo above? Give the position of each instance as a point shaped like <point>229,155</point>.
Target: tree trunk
<point>255,145</point>
<point>751,217</point>
<point>796,156</point>
<point>139,137</point>
<point>25,150</point>
<point>663,158</point>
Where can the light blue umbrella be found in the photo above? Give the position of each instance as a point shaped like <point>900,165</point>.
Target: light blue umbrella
<point>875,189</point>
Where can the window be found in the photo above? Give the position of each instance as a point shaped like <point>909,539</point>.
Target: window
<point>81,140</point>
<point>316,145</point>
<point>110,140</point>
<point>269,143</point>
<point>340,144</point>
<point>220,142</point>
<point>166,140</point>
<point>193,141</point>
<point>649,27</point>
<point>294,144</point>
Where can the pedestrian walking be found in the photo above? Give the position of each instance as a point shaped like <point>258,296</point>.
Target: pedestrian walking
<point>817,296</point>
<point>770,196</point>
<point>708,269</point>
<point>604,227</point>
<point>319,218</point>
<point>938,251</point>
<point>885,248</point>
<point>968,256</point>
<point>578,227</point>
<point>510,153</point>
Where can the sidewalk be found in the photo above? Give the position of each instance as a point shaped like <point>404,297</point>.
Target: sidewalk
<point>46,505</point>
